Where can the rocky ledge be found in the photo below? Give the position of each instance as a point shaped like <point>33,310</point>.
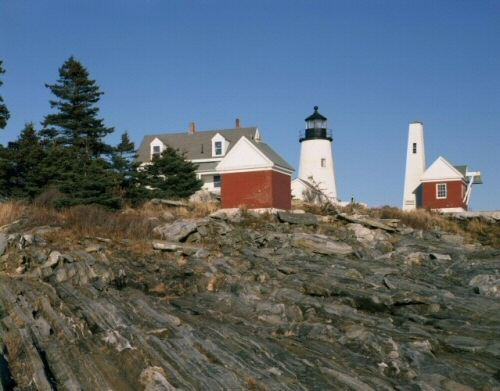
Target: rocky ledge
<point>247,301</point>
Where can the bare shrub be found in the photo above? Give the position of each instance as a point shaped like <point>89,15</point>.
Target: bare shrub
<point>49,197</point>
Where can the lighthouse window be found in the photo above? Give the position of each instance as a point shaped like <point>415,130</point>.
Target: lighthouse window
<point>442,190</point>
<point>323,162</point>
<point>414,147</point>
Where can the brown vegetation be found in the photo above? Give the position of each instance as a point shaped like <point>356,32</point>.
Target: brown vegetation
<point>132,225</point>
<point>477,229</point>
<point>137,225</point>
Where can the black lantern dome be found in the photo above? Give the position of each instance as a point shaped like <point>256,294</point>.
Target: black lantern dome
<point>316,127</point>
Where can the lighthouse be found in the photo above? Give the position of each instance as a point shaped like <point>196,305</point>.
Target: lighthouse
<point>415,166</point>
<point>316,169</point>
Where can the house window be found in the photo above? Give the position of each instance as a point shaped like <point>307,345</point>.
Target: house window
<point>414,147</point>
<point>218,147</point>
<point>442,190</point>
<point>156,150</point>
<point>217,181</point>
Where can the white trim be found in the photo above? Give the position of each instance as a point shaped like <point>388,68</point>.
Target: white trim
<point>205,160</point>
<point>257,169</point>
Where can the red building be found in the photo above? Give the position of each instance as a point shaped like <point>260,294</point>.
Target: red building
<point>446,187</point>
<point>255,176</point>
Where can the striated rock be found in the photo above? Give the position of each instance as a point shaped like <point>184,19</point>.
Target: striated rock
<point>233,302</point>
<point>3,243</point>
<point>298,218</point>
<point>320,244</point>
<point>368,221</point>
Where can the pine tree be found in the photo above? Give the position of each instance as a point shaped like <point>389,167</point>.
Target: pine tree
<point>78,158</point>
<point>75,125</point>
<point>126,167</point>
<point>4,112</point>
<point>20,172</point>
<point>124,155</point>
<point>6,172</point>
<point>26,155</point>
<point>169,175</point>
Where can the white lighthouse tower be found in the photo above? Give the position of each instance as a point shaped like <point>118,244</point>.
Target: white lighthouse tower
<point>316,170</point>
<point>415,166</point>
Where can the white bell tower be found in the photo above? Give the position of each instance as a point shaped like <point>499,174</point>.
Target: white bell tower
<point>415,166</point>
<point>316,156</point>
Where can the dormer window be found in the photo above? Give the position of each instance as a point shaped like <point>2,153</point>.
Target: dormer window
<point>219,145</point>
<point>218,148</point>
<point>157,147</point>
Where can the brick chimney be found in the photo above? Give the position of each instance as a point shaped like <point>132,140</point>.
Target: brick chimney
<point>192,128</point>
<point>238,123</point>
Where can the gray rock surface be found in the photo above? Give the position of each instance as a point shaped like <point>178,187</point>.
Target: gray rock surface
<point>252,303</point>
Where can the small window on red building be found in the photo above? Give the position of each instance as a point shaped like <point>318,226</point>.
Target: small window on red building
<point>441,190</point>
<point>217,181</point>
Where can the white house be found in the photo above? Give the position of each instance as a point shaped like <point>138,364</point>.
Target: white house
<point>205,148</point>
<point>254,174</point>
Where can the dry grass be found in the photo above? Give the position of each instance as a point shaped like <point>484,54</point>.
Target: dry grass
<point>419,219</point>
<point>10,211</point>
<point>136,225</point>
<point>476,229</point>
<point>89,220</point>
<point>133,225</point>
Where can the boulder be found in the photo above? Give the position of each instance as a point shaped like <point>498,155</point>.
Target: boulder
<point>178,230</point>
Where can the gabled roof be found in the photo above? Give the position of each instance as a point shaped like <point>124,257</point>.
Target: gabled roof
<point>441,170</point>
<point>250,154</point>
<point>272,155</point>
<point>197,145</point>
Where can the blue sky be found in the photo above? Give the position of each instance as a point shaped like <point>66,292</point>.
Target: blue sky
<point>372,67</point>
